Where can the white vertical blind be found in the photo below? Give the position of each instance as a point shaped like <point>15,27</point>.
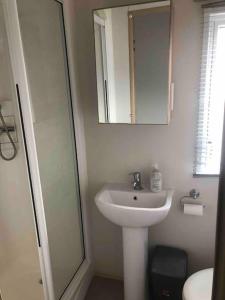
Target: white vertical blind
<point>211,94</point>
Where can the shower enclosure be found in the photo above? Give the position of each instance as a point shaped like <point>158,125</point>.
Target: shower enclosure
<point>41,82</point>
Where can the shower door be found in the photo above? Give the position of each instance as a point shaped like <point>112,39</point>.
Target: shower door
<point>50,137</point>
<point>20,272</point>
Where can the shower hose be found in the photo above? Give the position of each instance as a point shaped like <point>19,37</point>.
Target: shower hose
<point>5,127</point>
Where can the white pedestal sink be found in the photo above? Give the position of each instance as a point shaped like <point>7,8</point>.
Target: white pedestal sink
<point>135,211</point>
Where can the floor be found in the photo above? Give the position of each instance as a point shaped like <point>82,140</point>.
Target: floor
<point>105,289</point>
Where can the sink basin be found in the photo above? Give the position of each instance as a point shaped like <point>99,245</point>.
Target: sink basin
<point>135,211</point>
<point>128,208</point>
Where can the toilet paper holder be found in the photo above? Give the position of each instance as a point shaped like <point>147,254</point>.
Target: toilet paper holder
<point>193,194</point>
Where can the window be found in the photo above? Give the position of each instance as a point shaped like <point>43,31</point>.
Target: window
<point>211,94</point>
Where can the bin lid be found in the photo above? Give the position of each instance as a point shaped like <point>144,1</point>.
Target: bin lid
<point>170,262</point>
<point>199,286</point>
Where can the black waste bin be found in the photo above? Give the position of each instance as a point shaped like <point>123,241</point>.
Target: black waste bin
<point>168,272</point>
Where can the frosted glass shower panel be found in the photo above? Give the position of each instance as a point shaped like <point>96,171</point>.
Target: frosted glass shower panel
<point>44,45</point>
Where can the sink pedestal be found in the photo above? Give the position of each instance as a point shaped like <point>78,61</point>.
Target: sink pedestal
<point>135,257</point>
<point>116,203</point>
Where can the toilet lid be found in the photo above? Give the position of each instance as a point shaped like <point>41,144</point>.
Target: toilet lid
<point>199,286</point>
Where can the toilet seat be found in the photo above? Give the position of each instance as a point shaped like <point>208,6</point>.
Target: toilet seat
<point>199,286</point>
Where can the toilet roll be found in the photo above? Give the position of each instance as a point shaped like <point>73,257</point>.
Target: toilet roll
<point>193,209</point>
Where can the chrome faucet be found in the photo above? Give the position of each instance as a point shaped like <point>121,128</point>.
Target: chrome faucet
<point>136,181</point>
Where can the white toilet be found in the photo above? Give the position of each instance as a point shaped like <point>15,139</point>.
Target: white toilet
<point>199,286</point>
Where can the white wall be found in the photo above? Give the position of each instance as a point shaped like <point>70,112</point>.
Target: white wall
<point>115,150</point>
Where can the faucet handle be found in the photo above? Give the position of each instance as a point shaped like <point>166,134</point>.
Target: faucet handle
<point>136,175</point>
<point>137,181</point>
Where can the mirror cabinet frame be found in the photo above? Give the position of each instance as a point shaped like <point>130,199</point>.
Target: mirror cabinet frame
<point>131,14</point>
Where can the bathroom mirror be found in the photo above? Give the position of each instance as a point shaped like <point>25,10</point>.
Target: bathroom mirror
<point>133,63</point>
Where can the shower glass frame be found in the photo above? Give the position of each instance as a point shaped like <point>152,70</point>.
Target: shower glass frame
<point>24,104</point>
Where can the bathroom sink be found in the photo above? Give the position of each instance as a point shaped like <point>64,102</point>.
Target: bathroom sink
<point>129,208</point>
<point>135,211</point>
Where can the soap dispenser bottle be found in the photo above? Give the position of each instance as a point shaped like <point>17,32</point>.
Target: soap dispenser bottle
<point>156,179</point>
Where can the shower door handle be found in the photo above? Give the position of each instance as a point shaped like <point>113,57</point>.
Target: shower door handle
<point>28,164</point>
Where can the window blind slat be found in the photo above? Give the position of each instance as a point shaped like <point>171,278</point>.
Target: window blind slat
<point>211,93</point>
